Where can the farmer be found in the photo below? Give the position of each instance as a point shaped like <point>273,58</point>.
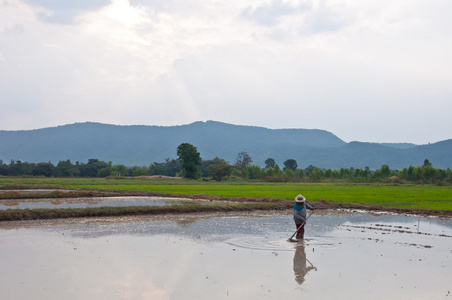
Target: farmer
<point>299,214</point>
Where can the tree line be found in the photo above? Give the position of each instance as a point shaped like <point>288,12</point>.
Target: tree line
<point>189,164</point>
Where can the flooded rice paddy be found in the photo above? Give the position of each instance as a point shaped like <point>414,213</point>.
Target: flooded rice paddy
<point>87,202</point>
<point>346,255</point>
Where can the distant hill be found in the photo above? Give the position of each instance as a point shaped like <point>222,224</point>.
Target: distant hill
<point>141,145</point>
<point>399,145</point>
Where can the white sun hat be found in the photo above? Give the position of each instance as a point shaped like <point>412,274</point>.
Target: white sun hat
<point>300,199</point>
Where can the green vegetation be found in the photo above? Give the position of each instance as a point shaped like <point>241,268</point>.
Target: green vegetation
<point>387,195</point>
<point>190,165</point>
<point>261,188</point>
<point>190,160</point>
<point>430,197</point>
<point>242,161</point>
<point>219,169</point>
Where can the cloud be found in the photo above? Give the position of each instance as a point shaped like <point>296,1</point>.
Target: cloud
<point>16,29</point>
<point>302,18</point>
<point>64,12</point>
<point>323,20</point>
<point>270,14</point>
<point>331,65</point>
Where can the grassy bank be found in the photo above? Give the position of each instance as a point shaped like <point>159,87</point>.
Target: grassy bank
<point>427,197</point>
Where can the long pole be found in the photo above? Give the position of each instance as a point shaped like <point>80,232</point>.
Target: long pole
<point>304,222</point>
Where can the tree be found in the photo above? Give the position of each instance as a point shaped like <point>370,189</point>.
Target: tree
<point>190,160</point>
<point>16,168</point>
<point>316,174</point>
<point>105,172</point>
<point>309,169</point>
<point>385,171</point>
<point>255,172</point>
<point>91,169</point>
<point>269,163</point>
<point>168,168</point>
<point>427,163</point>
<point>139,171</point>
<point>410,173</point>
<point>67,169</point>
<point>243,160</point>
<point>290,173</point>
<point>270,172</point>
<point>206,163</point>
<point>367,172</point>
<point>336,174</point>
<point>44,169</point>
<point>448,174</point>
<point>418,173</point>
<point>344,173</point>
<point>328,173</point>
<point>300,173</point>
<point>278,171</point>
<point>290,164</point>
<point>3,169</point>
<point>429,172</point>
<point>220,170</point>
<point>120,170</point>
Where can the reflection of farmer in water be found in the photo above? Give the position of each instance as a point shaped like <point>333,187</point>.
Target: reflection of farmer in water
<point>299,214</point>
<point>299,264</point>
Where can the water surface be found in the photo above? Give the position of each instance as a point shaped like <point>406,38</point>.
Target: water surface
<point>87,202</point>
<point>345,256</point>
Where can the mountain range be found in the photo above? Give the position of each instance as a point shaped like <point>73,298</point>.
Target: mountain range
<point>141,145</point>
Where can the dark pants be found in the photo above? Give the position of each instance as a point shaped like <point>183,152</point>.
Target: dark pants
<point>300,233</point>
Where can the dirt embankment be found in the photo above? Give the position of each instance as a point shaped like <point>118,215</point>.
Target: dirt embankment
<point>323,205</point>
<point>377,208</point>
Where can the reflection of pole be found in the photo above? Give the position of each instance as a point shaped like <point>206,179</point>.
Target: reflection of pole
<point>311,264</point>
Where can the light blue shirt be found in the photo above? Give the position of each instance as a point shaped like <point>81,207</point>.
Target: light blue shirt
<point>299,212</point>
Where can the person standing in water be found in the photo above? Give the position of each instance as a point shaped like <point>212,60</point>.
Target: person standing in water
<point>299,214</point>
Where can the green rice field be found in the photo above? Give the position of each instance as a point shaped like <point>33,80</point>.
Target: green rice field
<point>409,196</point>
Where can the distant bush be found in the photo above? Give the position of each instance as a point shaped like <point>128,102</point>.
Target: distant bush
<point>392,179</point>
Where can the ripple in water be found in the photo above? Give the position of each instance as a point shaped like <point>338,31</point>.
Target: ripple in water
<point>274,244</point>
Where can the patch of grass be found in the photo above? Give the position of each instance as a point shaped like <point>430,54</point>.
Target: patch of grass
<point>401,196</point>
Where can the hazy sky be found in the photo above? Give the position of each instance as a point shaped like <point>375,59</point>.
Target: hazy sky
<point>372,71</point>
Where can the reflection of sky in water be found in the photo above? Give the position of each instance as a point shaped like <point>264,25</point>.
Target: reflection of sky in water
<point>263,226</point>
<point>16,204</point>
<point>345,257</point>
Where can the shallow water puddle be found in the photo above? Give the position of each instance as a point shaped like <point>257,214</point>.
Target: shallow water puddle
<point>345,256</point>
<point>87,202</point>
